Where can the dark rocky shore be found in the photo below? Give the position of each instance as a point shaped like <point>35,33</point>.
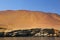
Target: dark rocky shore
<point>36,32</point>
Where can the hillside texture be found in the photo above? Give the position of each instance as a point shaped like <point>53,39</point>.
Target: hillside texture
<point>23,19</point>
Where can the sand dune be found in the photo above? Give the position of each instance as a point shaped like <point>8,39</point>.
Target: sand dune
<point>23,19</point>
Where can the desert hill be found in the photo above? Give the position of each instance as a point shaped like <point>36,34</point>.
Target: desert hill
<point>24,19</point>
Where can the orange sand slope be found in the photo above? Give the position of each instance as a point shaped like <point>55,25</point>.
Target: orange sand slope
<point>23,19</point>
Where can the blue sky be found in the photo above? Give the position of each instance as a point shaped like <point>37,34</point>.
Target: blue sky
<point>35,5</point>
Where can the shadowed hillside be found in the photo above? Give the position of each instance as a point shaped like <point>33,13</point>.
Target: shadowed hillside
<point>23,19</point>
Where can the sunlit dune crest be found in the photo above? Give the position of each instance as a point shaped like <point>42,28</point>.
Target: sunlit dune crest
<point>23,19</point>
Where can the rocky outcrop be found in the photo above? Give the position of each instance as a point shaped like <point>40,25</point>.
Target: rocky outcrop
<point>36,32</point>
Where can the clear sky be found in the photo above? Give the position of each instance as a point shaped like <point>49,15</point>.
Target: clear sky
<point>35,5</point>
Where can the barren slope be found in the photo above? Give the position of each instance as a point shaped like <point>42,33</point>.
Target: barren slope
<point>22,19</point>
